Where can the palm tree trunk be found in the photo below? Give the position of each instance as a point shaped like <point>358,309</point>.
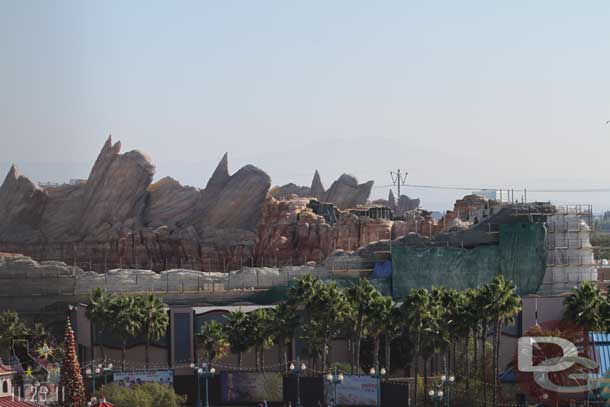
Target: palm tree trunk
<point>475,346</point>
<point>416,372</point>
<point>123,353</point>
<point>388,349</point>
<point>356,356</point>
<point>467,356</point>
<point>496,363</point>
<point>376,352</point>
<point>146,352</point>
<point>256,363</point>
<point>262,353</point>
<point>484,365</point>
<point>239,360</point>
<point>425,381</point>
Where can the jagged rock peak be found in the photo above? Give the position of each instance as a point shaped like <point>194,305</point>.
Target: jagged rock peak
<point>348,179</point>
<point>13,174</point>
<point>221,174</point>
<point>391,200</point>
<point>317,189</point>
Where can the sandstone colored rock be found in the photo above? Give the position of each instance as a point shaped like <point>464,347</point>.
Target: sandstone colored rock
<point>317,189</point>
<point>346,193</point>
<point>21,207</point>
<point>170,202</point>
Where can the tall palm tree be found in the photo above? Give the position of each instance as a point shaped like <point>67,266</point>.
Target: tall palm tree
<point>416,313</point>
<point>484,319</point>
<point>212,339</point>
<point>327,311</point>
<point>362,297</point>
<point>468,326</point>
<point>238,333</point>
<point>380,314</point>
<point>584,306</point>
<point>503,304</point>
<point>392,330</point>
<point>259,325</point>
<point>125,322</point>
<point>284,324</point>
<point>153,321</point>
<point>99,312</point>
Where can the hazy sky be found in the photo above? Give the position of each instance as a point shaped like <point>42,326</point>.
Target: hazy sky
<point>460,93</point>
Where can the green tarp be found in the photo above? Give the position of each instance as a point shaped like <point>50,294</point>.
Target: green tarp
<point>520,256</point>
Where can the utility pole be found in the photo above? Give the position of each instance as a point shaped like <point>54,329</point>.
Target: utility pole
<point>399,179</point>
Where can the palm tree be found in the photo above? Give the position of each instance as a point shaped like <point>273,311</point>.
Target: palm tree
<point>212,339</point>
<point>416,313</point>
<point>482,300</point>
<point>327,311</point>
<point>361,296</point>
<point>468,326</point>
<point>584,306</point>
<point>153,321</point>
<point>503,305</point>
<point>125,321</point>
<point>238,333</point>
<point>380,314</point>
<point>11,329</point>
<point>284,323</point>
<point>259,325</point>
<point>99,312</point>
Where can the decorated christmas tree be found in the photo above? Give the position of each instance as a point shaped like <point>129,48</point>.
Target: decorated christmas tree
<point>71,382</point>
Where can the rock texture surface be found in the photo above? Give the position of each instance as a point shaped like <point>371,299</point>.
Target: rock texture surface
<point>118,218</point>
<point>345,192</point>
<point>291,233</point>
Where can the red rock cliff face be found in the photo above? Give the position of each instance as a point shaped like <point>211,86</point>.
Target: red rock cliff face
<point>289,231</point>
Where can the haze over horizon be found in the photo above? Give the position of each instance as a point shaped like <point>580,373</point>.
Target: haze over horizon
<point>458,94</point>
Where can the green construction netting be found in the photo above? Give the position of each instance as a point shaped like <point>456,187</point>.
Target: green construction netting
<point>520,256</point>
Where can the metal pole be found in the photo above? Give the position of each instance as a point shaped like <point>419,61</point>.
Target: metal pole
<point>207,403</point>
<point>298,387</point>
<point>378,390</point>
<point>198,389</point>
<point>93,380</point>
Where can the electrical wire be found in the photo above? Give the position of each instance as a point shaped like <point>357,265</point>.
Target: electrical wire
<point>584,190</point>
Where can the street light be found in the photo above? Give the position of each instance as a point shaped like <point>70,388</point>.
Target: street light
<point>437,396</point>
<point>442,389</point>
<point>335,378</point>
<point>98,370</point>
<point>296,371</point>
<point>378,376</point>
<point>206,372</point>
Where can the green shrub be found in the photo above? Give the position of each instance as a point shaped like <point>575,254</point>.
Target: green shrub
<point>143,395</point>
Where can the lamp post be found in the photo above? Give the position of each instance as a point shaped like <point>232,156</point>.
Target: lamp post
<point>378,376</point>
<point>296,370</point>
<point>100,369</point>
<point>436,395</point>
<point>335,378</point>
<point>206,372</point>
<point>447,382</point>
<point>441,389</point>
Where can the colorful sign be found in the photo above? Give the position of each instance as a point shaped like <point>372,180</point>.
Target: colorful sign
<point>128,379</point>
<point>353,391</point>
<point>251,386</point>
<point>41,393</point>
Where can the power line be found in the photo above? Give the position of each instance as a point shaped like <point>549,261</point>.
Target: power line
<point>584,190</point>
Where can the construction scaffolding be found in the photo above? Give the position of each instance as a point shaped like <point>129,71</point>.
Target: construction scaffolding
<point>570,258</point>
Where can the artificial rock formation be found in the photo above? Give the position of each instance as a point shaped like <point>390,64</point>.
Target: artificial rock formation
<point>344,193</point>
<point>119,218</point>
<point>291,233</point>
